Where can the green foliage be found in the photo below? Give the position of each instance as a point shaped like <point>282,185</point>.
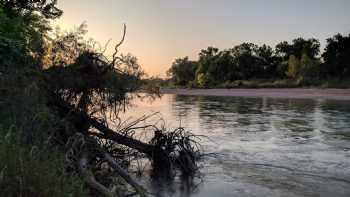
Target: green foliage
<point>309,67</point>
<point>46,8</point>
<point>207,67</point>
<point>201,79</point>
<point>304,70</point>
<point>27,31</point>
<point>294,67</point>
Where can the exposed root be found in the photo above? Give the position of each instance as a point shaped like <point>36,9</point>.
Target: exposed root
<point>180,149</point>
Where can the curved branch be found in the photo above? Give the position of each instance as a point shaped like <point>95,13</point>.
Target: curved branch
<point>114,57</point>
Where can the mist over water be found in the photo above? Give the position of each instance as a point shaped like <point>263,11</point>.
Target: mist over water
<point>262,146</point>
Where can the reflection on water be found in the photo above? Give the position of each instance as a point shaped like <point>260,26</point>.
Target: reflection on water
<point>263,146</point>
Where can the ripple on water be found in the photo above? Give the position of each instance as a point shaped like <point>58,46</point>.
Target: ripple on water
<point>264,147</point>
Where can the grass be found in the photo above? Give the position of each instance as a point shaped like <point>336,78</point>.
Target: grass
<point>32,171</point>
<point>29,165</point>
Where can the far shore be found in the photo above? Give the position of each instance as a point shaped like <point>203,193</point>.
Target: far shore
<point>297,93</point>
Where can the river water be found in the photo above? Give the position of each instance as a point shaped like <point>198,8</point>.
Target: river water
<point>259,146</point>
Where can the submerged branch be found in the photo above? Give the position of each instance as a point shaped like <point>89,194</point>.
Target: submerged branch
<point>125,175</point>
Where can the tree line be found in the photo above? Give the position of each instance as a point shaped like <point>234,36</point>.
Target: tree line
<point>299,61</point>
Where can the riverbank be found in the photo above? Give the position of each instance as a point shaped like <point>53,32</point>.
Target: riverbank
<point>298,93</point>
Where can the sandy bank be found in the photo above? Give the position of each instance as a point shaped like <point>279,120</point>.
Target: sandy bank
<point>300,93</point>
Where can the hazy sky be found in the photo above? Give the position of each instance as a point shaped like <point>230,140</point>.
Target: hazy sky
<point>158,31</point>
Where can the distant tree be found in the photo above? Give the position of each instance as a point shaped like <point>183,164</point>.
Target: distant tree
<point>284,51</point>
<point>337,56</point>
<point>182,71</point>
<point>207,66</point>
<point>244,61</point>
<point>226,70</point>
<point>299,46</point>
<point>269,61</point>
<point>247,61</point>
<point>293,67</point>
<point>309,68</point>
<point>303,69</point>
<point>309,47</point>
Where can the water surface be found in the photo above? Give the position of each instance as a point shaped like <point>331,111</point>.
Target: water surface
<point>263,146</point>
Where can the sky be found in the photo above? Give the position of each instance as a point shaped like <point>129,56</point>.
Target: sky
<point>159,31</point>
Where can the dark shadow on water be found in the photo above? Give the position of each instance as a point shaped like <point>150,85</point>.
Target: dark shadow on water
<point>166,183</point>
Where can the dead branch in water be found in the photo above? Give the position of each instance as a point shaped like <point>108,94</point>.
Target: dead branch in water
<point>167,150</point>
<point>84,148</point>
<point>121,172</point>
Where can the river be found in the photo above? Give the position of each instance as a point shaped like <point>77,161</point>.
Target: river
<point>259,146</point>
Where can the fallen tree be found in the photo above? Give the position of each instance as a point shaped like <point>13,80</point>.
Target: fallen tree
<point>165,149</point>
<point>92,93</point>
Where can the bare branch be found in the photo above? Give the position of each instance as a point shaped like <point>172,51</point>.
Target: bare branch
<point>125,175</point>
<point>114,57</point>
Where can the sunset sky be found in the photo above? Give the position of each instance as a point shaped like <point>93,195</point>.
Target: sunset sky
<point>158,31</point>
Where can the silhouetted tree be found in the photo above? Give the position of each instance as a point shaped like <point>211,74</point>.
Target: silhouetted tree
<point>182,71</point>
<point>311,47</point>
<point>337,57</point>
<point>207,66</point>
